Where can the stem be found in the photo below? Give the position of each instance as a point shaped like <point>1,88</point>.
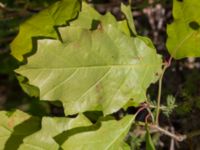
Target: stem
<point>140,109</point>
<point>156,128</point>
<point>179,138</point>
<point>152,117</point>
<point>161,107</point>
<point>2,5</point>
<point>159,94</point>
<point>172,142</point>
<point>146,118</point>
<point>167,64</point>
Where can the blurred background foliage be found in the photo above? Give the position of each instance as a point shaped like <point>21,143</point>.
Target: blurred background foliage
<point>182,79</point>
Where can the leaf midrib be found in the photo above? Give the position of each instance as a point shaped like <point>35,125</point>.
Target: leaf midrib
<point>85,67</point>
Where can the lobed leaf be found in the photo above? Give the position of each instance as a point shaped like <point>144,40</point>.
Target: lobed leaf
<point>87,64</point>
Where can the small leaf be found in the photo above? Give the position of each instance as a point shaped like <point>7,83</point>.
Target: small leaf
<point>184,33</point>
<point>149,142</point>
<point>109,136</point>
<point>43,25</point>
<point>170,106</point>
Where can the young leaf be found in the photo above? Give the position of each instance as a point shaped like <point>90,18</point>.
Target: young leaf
<point>171,104</point>
<point>110,136</point>
<point>43,25</point>
<point>184,33</point>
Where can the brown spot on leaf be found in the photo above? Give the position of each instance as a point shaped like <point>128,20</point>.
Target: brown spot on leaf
<point>11,123</point>
<point>100,27</point>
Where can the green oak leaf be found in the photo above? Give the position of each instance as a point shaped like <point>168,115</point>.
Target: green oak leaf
<point>109,136</point>
<point>84,73</point>
<point>87,64</point>
<point>85,21</point>
<point>52,126</point>
<point>14,126</point>
<point>43,25</point>
<point>184,33</point>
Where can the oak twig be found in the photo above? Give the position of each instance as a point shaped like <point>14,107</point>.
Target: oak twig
<point>177,137</point>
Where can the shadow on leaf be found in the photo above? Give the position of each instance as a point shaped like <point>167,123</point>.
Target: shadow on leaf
<point>22,130</point>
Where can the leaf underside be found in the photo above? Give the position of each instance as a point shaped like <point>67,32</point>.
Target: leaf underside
<point>97,66</point>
